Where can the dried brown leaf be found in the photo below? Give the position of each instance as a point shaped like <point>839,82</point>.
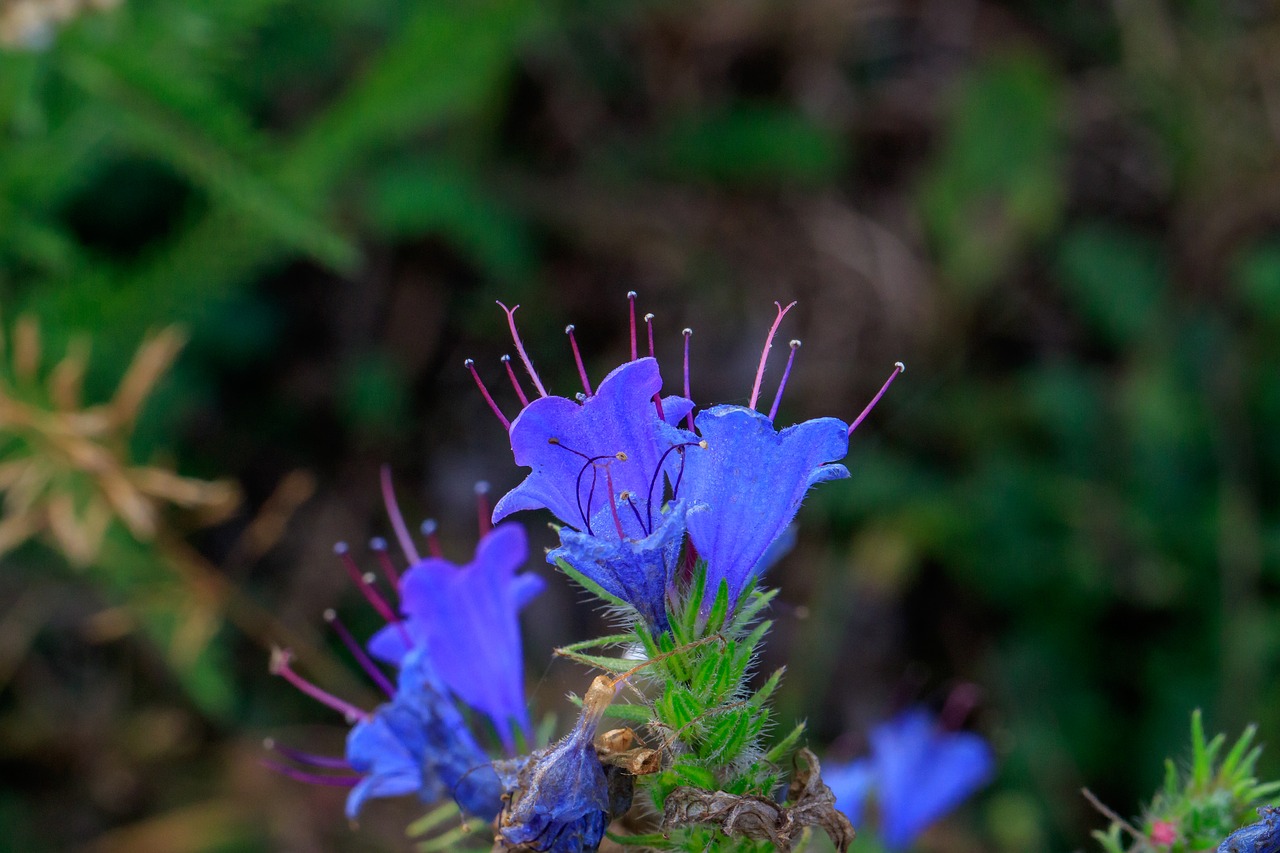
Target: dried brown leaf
<point>760,818</point>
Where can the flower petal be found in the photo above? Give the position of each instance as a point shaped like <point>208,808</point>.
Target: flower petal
<point>618,427</point>
<point>467,618</point>
<point>746,485</point>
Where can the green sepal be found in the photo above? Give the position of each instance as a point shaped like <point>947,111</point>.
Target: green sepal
<point>589,585</point>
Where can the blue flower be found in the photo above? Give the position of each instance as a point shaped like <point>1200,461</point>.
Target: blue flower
<point>744,484</point>
<point>419,743</point>
<point>614,466</point>
<point>601,466</point>
<point>1260,837</point>
<point>917,772</point>
<point>465,617</point>
<point>558,798</point>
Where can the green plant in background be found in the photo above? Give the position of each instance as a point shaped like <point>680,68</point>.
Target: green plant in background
<point>1200,805</point>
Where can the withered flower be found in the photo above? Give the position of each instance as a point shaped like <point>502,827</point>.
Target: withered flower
<point>65,468</point>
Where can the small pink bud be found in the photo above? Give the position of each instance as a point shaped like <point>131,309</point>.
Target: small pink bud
<point>1164,833</point>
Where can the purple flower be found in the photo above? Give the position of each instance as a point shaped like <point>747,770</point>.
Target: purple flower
<point>601,466</point>
<point>614,466</point>
<point>465,617</point>
<point>418,743</point>
<point>917,772</point>
<point>559,799</point>
<point>459,638</point>
<point>745,482</point>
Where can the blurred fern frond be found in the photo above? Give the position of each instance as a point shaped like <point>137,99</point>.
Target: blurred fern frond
<point>65,468</point>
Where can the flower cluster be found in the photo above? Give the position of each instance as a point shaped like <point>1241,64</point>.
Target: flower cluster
<point>635,477</point>
<point>454,640</point>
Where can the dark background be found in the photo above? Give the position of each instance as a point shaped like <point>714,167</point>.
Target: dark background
<point>1061,215</point>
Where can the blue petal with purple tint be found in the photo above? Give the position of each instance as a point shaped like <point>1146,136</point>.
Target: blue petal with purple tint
<point>419,743</point>
<point>570,444</point>
<point>637,568</point>
<point>746,485</point>
<point>918,772</point>
<point>466,617</point>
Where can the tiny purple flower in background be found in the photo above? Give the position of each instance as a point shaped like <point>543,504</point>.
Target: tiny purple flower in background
<point>459,638</point>
<point>916,774</point>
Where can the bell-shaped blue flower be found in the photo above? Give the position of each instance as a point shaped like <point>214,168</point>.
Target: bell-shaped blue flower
<point>419,743</point>
<point>466,618</point>
<point>585,455</point>
<point>745,482</point>
<point>917,773</point>
<point>559,800</point>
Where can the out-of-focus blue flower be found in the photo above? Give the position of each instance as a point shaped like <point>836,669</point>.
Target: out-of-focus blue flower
<point>744,484</point>
<point>419,743</point>
<point>916,774</point>
<point>1260,837</point>
<point>601,466</point>
<point>466,618</point>
<point>559,798</point>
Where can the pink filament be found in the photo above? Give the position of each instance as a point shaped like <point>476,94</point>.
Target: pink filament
<point>648,321</point>
<point>777,398</point>
<point>312,778</point>
<point>688,333</point>
<point>577,358</point>
<point>631,299</point>
<point>764,355</point>
<point>280,665</point>
<point>378,546</point>
<point>524,356</point>
<point>515,383</point>
<point>362,658</point>
<point>470,364</point>
<point>898,367</point>
<point>433,541</point>
<point>371,595</point>
<point>393,509</point>
<point>613,507</point>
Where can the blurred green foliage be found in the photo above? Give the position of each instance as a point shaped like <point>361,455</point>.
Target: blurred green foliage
<point>1061,216</point>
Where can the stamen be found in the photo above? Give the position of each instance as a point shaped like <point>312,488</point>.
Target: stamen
<point>777,398</point>
<point>470,364</point>
<point>378,546</point>
<point>362,658</point>
<point>657,404</point>
<point>631,299</point>
<point>310,759</point>
<point>515,383</point>
<point>662,460</point>
<point>482,507</point>
<point>626,496</point>
<point>364,582</point>
<point>764,355</point>
<point>312,778</point>
<point>577,357</point>
<point>280,665</point>
<point>428,529</point>
<point>898,367</point>
<point>397,519</point>
<point>648,321</point>
<point>613,506</point>
<point>688,333</point>
<point>524,356</point>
